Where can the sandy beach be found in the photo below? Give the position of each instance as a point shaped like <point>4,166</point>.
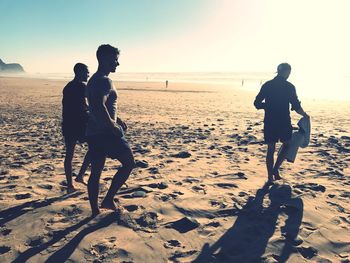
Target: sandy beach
<point>198,193</point>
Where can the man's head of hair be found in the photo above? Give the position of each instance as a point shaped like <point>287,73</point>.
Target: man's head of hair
<point>79,68</point>
<point>106,51</point>
<point>284,70</point>
<point>81,72</point>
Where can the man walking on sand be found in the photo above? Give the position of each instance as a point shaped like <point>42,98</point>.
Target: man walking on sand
<point>105,131</point>
<point>74,120</point>
<point>277,94</point>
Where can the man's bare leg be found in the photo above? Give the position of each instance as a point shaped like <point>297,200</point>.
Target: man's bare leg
<point>70,146</point>
<point>84,166</point>
<point>128,163</point>
<point>270,160</point>
<point>97,164</point>
<point>281,156</point>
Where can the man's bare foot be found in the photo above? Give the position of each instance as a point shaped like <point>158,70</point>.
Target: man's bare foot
<point>111,205</point>
<point>70,189</point>
<point>95,212</point>
<point>277,175</point>
<point>269,181</point>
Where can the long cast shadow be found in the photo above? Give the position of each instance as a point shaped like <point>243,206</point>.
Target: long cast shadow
<point>13,212</point>
<point>247,239</point>
<point>56,236</point>
<point>65,252</point>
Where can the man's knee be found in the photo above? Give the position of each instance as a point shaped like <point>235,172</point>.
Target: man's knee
<point>129,163</point>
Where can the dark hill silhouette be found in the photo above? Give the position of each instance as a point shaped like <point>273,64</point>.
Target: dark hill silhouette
<point>10,68</point>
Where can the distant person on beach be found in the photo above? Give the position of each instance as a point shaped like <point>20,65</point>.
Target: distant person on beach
<point>105,131</point>
<point>166,84</point>
<point>277,94</point>
<point>74,120</point>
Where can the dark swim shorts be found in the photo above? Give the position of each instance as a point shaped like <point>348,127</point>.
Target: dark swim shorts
<point>275,133</point>
<point>108,145</point>
<point>74,131</point>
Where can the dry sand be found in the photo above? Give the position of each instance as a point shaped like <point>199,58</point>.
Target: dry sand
<point>201,178</point>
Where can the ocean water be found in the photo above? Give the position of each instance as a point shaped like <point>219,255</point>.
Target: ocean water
<point>228,78</point>
<point>326,86</point>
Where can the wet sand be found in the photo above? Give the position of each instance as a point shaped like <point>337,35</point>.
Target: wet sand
<point>198,193</point>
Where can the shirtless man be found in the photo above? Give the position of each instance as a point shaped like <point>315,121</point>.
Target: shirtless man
<point>74,119</point>
<point>105,131</point>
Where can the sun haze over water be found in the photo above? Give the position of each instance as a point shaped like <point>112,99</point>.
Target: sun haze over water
<point>186,36</point>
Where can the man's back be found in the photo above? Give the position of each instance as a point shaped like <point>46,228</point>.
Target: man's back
<point>278,94</point>
<point>73,102</point>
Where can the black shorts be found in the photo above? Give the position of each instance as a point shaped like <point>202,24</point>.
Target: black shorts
<point>274,133</point>
<point>74,132</point>
<point>108,145</point>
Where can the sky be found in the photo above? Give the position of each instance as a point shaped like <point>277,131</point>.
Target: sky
<point>182,35</point>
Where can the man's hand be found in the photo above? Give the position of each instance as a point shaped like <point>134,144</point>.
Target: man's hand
<point>122,124</point>
<point>116,131</point>
<point>306,115</point>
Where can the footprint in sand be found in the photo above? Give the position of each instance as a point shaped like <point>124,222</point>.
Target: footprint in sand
<point>71,211</point>
<point>181,254</point>
<point>99,249</point>
<point>213,224</point>
<point>311,186</point>
<point>226,185</point>
<point>131,208</point>
<point>23,196</point>
<point>199,189</point>
<point>216,203</point>
<point>172,243</point>
<point>307,252</point>
<point>35,241</point>
<point>191,180</point>
<point>148,220</point>
<point>107,252</point>
<point>5,231</point>
<point>337,206</point>
<point>345,194</point>
<point>4,171</point>
<point>45,186</point>
<point>11,186</point>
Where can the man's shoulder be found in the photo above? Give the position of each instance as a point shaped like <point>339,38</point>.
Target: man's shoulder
<point>99,80</point>
<point>100,84</point>
<point>268,84</point>
<point>68,86</point>
<point>290,85</point>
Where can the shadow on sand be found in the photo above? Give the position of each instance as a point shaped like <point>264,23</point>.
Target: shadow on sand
<point>64,253</point>
<point>13,212</point>
<point>248,238</point>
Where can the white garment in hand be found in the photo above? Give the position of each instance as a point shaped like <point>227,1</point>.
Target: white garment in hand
<point>300,138</point>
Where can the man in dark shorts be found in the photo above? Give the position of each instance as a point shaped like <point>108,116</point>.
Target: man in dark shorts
<point>74,120</point>
<point>277,94</point>
<point>105,131</point>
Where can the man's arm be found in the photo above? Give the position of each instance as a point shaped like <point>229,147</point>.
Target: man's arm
<point>302,112</point>
<point>296,106</point>
<point>258,103</point>
<point>122,124</point>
